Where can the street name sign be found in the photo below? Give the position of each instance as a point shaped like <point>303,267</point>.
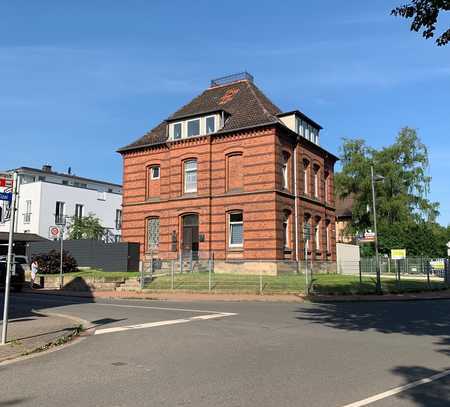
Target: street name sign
<point>6,196</point>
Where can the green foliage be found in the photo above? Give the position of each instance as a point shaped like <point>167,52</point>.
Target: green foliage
<point>87,227</point>
<point>49,263</point>
<point>406,217</point>
<point>425,14</point>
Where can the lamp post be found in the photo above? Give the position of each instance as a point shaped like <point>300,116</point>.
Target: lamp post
<point>373,179</point>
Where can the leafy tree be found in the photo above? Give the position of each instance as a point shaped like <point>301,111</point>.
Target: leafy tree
<point>425,15</point>
<point>86,227</point>
<point>406,217</point>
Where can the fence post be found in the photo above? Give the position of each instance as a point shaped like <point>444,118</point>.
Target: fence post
<point>260,282</point>
<point>181,261</point>
<point>360,274</point>
<point>209,272</point>
<point>428,275</point>
<point>141,273</point>
<point>190,262</point>
<point>172,274</point>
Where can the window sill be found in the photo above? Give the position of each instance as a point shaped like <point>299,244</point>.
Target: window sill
<point>287,250</point>
<point>236,249</point>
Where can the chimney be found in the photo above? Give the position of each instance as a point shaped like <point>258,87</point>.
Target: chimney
<point>69,170</point>
<point>47,168</point>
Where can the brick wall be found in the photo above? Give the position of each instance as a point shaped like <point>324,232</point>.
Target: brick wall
<point>235,172</point>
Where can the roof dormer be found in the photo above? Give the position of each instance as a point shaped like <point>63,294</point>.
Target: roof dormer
<point>195,126</point>
<point>302,125</point>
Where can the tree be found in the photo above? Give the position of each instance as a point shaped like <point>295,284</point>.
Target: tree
<point>406,217</point>
<point>87,227</point>
<point>425,14</point>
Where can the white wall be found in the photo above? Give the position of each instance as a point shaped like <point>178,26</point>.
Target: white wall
<point>347,258</point>
<point>44,195</point>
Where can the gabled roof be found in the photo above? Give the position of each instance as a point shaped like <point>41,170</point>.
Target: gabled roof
<point>244,104</point>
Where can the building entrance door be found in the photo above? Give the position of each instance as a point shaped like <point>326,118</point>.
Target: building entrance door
<point>190,234</point>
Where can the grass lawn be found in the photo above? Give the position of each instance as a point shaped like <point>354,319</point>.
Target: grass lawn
<point>322,284</point>
<point>99,274</point>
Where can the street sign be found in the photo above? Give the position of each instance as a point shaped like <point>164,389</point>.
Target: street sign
<point>53,232</point>
<point>5,182</point>
<point>369,236</point>
<point>6,196</point>
<point>398,254</point>
<point>307,232</point>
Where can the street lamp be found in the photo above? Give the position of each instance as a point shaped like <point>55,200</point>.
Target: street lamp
<point>375,178</point>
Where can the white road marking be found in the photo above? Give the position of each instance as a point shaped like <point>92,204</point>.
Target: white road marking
<point>161,323</point>
<point>161,308</point>
<point>397,390</point>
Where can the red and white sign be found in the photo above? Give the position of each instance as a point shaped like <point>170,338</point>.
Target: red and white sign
<point>6,182</point>
<point>53,232</point>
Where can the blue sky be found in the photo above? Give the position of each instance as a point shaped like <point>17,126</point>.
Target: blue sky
<point>80,79</point>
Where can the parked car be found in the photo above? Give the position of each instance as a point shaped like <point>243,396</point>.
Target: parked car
<point>18,272</point>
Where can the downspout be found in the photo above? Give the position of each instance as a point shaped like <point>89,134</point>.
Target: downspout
<point>296,203</point>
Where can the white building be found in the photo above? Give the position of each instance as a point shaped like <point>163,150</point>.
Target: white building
<point>46,197</point>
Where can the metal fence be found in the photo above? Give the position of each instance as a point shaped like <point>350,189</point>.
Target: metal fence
<point>201,272</point>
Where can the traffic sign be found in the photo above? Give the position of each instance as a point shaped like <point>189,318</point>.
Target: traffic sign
<point>5,182</point>
<point>307,232</point>
<point>6,196</point>
<point>53,232</point>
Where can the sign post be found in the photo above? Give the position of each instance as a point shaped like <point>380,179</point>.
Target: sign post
<point>9,263</point>
<point>307,237</point>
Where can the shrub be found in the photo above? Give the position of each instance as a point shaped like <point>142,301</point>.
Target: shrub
<point>49,262</point>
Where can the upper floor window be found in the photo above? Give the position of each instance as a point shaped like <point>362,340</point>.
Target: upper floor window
<point>193,128</point>
<point>154,172</point>
<point>190,176</point>
<point>59,213</point>
<point>27,214</point>
<point>286,170</point>
<point>210,124</point>
<point>177,130</point>
<point>79,209</point>
<point>327,186</point>
<point>234,172</point>
<point>118,219</point>
<point>316,180</point>
<point>306,177</point>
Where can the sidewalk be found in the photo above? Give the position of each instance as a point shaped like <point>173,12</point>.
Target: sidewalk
<point>36,331</point>
<point>192,296</point>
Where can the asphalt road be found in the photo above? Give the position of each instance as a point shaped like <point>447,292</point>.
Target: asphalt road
<point>268,354</point>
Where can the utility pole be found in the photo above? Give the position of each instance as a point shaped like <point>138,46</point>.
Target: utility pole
<point>10,259</point>
<point>61,237</point>
<point>377,263</point>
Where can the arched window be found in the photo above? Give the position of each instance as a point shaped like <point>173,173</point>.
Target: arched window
<point>328,235</point>
<point>316,181</point>
<point>306,177</point>
<point>317,239</point>
<point>190,176</point>
<point>286,229</point>
<point>286,157</point>
<point>152,233</point>
<point>327,186</point>
<point>235,173</point>
<point>235,229</point>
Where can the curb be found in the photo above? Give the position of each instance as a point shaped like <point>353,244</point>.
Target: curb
<point>56,344</point>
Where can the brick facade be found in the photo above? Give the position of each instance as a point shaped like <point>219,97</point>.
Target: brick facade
<point>237,171</point>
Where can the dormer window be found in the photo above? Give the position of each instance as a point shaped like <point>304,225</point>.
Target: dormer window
<point>210,124</point>
<point>193,128</point>
<point>177,131</point>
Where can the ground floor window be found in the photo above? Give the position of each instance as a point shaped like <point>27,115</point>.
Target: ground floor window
<point>152,233</point>
<point>236,229</point>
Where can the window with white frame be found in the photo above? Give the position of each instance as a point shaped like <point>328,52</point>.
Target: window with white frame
<point>193,128</point>
<point>316,181</point>
<point>27,214</point>
<point>305,177</point>
<point>152,233</point>
<point>286,237</point>
<point>327,186</point>
<point>154,172</point>
<point>300,129</point>
<point>286,170</point>
<point>236,229</point>
<point>177,131</point>
<point>59,213</point>
<point>328,236</point>
<point>190,176</point>
<point>210,124</point>
<point>79,209</point>
<point>317,234</point>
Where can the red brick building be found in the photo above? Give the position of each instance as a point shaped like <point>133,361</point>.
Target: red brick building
<point>230,173</point>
